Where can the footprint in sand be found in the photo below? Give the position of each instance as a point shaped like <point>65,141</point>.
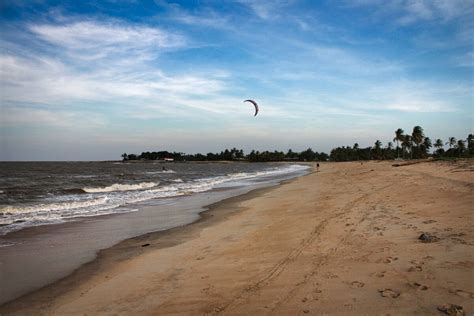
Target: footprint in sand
<point>452,310</point>
<point>464,294</point>
<point>415,269</point>
<point>357,284</point>
<point>380,274</point>
<point>417,263</point>
<point>418,286</point>
<point>390,259</point>
<point>389,293</point>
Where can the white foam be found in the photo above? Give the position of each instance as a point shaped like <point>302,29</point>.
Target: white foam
<point>110,199</point>
<point>122,187</point>
<point>64,206</point>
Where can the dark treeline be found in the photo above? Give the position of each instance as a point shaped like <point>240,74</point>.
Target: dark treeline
<point>232,155</point>
<point>408,146</point>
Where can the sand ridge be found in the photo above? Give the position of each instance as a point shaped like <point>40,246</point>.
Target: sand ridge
<point>340,241</point>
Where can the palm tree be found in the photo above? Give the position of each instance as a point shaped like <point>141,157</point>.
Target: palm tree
<point>398,138</point>
<point>406,143</point>
<point>388,151</point>
<point>426,145</point>
<point>470,143</point>
<point>417,138</point>
<point>461,146</point>
<point>439,146</point>
<point>451,142</point>
<point>377,149</point>
<point>417,135</point>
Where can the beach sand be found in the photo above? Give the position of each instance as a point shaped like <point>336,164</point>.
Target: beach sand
<point>344,240</point>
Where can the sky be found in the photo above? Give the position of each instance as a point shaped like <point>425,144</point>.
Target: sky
<point>90,80</point>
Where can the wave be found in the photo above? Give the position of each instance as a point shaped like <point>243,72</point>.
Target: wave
<point>122,187</point>
<point>161,171</point>
<point>117,198</point>
<point>48,207</point>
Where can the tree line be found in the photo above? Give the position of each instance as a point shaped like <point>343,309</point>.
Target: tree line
<point>408,146</point>
<point>232,155</point>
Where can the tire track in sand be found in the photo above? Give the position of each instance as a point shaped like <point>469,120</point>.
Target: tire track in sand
<point>277,269</point>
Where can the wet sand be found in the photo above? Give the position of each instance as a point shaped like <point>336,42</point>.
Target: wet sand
<point>340,241</point>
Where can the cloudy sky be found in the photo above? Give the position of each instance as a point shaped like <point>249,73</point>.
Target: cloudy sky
<point>89,80</point>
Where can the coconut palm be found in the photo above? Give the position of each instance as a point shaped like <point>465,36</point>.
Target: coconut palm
<point>426,145</point>
<point>470,143</point>
<point>398,138</point>
<point>451,142</point>
<point>439,147</point>
<point>417,135</point>
<point>406,144</point>
<point>461,146</point>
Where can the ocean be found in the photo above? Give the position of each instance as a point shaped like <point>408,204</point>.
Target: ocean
<point>39,193</point>
<point>56,216</point>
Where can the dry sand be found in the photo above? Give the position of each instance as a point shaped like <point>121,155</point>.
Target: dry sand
<point>340,241</point>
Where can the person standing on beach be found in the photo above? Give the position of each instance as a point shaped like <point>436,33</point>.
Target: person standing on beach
<point>317,167</point>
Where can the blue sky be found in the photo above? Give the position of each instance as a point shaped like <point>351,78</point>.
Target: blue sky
<point>89,80</point>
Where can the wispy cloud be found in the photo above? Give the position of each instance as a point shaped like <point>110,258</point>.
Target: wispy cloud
<point>122,68</point>
<point>408,12</point>
<point>63,118</point>
<point>92,40</point>
<point>266,10</point>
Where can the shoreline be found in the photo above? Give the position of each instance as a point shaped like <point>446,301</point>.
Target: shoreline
<point>344,240</point>
<point>131,246</point>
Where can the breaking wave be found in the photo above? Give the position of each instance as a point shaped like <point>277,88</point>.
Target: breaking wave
<point>122,187</point>
<point>116,198</point>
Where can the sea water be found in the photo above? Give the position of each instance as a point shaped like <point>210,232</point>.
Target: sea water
<point>95,205</point>
<point>39,193</point>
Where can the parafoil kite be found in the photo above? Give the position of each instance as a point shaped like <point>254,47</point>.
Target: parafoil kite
<point>254,104</point>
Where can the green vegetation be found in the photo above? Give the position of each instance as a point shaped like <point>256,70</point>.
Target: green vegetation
<point>414,146</point>
<point>232,155</point>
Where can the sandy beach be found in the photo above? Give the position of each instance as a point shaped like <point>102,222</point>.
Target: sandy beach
<point>344,240</point>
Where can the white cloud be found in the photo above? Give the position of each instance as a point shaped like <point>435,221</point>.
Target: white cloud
<point>411,11</point>
<point>13,116</point>
<point>208,18</point>
<point>419,106</point>
<point>91,40</point>
<point>266,10</point>
<point>52,82</point>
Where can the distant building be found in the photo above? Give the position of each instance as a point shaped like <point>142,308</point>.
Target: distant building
<point>168,159</point>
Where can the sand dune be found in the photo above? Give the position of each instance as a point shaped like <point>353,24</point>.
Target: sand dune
<point>340,241</point>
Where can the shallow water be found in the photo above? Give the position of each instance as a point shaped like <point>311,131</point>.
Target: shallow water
<point>38,255</point>
<point>38,193</point>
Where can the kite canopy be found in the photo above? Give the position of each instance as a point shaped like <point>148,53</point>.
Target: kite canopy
<point>254,104</point>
